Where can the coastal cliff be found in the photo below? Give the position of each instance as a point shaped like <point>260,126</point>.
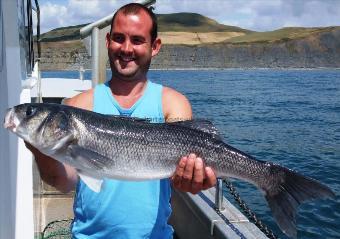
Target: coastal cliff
<point>193,41</point>
<point>321,49</point>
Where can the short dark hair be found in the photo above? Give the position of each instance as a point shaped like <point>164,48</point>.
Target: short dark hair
<point>134,8</point>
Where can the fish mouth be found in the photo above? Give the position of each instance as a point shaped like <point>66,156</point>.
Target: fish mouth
<point>9,120</point>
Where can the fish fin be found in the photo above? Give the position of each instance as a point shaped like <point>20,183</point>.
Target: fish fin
<point>88,159</point>
<point>62,142</point>
<point>292,190</point>
<point>202,125</point>
<point>95,184</point>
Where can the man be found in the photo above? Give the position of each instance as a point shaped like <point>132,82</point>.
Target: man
<point>125,209</point>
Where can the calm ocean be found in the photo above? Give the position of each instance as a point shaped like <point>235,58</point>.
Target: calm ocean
<point>290,117</point>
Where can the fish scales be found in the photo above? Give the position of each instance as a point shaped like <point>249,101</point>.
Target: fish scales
<point>151,144</point>
<point>101,146</point>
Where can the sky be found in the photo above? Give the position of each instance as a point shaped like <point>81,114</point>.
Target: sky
<point>257,15</point>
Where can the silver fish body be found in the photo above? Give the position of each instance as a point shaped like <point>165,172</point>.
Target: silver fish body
<point>101,146</point>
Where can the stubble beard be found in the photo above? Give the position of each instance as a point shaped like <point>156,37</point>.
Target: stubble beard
<point>137,74</point>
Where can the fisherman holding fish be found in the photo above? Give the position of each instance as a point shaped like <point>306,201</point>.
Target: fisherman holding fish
<point>102,137</point>
<point>126,209</point>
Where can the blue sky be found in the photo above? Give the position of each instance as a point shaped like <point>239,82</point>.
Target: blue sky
<point>258,15</point>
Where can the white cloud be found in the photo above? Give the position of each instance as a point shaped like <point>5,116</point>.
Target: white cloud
<point>53,15</point>
<point>270,15</point>
<point>73,12</point>
<point>92,9</point>
<point>260,15</point>
<point>80,9</point>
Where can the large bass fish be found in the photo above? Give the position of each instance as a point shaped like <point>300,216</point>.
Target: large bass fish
<point>101,146</point>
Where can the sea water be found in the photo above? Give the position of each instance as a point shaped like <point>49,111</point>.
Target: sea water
<point>290,117</point>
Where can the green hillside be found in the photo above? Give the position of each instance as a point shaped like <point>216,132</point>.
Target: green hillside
<point>62,34</point>
<point>283,34</point>
<point>178,22</point>
<point>192,22</point>
<point>196,23</point>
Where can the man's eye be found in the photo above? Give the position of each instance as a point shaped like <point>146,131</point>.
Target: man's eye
<point>137,40</point>
<point>118,38</point>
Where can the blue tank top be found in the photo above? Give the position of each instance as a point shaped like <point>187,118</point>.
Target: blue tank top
<point>124,209</point>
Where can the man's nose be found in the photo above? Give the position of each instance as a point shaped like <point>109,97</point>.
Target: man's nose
<point>127,46</point>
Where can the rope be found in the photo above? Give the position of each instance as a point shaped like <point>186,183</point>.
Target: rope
<point>249,213</point>
<point>59,229</point>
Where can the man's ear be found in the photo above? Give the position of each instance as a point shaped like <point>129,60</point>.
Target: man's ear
<point>156,46</point>
<point>107,39</point>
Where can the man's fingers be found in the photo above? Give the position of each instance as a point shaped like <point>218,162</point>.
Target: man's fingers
<point>210,178</point>
<point>177,177</point>
<point>192,176</point>
<point>181,166</point>
<point>197,181</point>
<point>188,172</point>
<point>189,167</point>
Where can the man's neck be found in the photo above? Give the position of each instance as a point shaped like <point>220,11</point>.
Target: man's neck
<point>127,92</point>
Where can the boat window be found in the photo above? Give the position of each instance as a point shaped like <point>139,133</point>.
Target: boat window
<point>2,44</point>
<point>25,26</point>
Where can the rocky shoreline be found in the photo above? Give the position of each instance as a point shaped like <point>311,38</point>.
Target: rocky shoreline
<point>320,50</point>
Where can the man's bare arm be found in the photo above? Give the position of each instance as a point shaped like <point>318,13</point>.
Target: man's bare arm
<point>54,173</point>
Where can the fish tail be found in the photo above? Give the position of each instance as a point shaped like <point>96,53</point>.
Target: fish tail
<point>290,190</point>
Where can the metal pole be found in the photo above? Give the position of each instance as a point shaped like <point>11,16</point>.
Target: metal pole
<point>39,82</point>
<point>219,195</point>
<point>95,55</point>
<point>81,73</point>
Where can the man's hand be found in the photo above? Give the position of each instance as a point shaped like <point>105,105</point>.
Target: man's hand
<point>61,176</point>
<point>192,176</point>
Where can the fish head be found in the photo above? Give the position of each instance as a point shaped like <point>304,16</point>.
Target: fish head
<point>42,125</point>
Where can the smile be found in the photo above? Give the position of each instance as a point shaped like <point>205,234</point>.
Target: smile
<point>126,59</point>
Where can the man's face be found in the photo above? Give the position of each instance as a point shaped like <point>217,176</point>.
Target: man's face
<point>129,46</point>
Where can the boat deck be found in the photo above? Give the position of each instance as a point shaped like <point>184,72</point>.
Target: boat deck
<point>194,216</point>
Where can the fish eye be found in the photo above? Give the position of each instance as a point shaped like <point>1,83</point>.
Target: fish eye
<point>30,111</point>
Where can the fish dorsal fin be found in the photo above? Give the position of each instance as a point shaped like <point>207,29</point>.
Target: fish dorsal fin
<point>95,184</point>
<point>202,125</point>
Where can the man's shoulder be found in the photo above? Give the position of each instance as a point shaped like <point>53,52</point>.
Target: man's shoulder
<point>175,105</point>
<point>171,93</point>
<point>83,100</point>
